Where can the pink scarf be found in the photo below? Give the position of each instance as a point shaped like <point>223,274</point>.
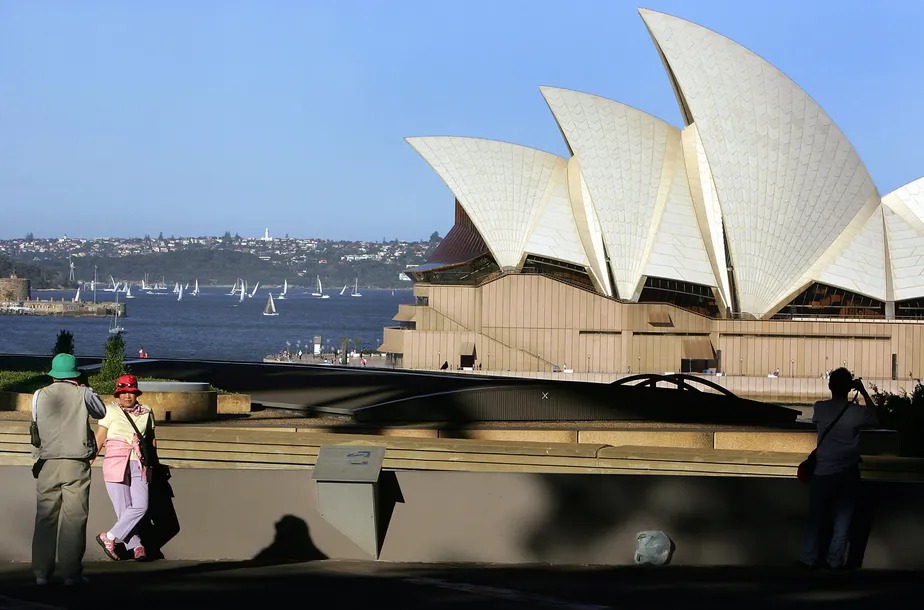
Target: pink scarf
<point>136,410</point>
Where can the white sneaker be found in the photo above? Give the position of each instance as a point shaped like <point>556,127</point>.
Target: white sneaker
<point>41,581</point>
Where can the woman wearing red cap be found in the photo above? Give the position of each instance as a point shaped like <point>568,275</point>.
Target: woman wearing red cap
<point>126,478</point>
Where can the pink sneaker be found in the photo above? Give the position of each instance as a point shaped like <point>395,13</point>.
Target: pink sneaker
<point>140,555</point>
<point>108,546</point>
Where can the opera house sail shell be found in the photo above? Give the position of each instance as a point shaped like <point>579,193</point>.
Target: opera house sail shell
<point>666,247</point>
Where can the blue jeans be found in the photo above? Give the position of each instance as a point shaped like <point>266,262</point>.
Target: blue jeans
<point>832,499</point>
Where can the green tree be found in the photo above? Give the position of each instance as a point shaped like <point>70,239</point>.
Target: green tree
<point>112,367</point>
<point>64,343</point>
<point>434,237</point>
<point>904,413</point>
<point>30,236</point>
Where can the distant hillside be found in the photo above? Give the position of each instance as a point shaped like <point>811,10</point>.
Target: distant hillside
<point>210,267</point>
<point>40,277</point>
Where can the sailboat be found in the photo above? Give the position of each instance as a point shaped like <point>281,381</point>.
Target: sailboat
<point>179,294</point>
<point>270,309</point>
<point>320,293</point>
<point>343,290</point>
<point>77,296</point>
<point>285,289</point>
<point>195,291</point>
<point>115,327</point>
<point>356,289</point>
<point>254,291</point>
<point>128,292</point>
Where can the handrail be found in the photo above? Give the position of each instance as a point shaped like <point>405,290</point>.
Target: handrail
<point>678,379</point>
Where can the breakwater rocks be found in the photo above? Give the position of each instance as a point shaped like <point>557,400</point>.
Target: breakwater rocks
<point>62,308</point>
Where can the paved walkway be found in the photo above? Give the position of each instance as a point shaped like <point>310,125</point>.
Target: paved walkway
<point>353,584</point>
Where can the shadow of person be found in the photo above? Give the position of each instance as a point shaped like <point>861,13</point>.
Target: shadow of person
<point>292,543</point>
<point>160,523</point>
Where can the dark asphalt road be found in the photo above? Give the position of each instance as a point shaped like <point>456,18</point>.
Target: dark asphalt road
<point>349,584</point>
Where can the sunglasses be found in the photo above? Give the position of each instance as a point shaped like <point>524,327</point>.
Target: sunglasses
<point>125,385</point>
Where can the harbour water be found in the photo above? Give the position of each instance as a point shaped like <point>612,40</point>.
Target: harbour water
<point>212,325</point>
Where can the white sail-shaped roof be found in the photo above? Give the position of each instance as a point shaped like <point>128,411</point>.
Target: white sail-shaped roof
<point>708,210</point>
<point>554,233</point>
<point>622,155</point>
<point>788,181</point>
<point>501,186</point>
<point>904,218</point>
<point>861,266</point>
<point>678,251</point>
<point>588,227</point>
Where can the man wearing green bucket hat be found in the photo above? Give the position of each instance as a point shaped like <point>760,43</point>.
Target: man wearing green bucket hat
<point>66,444</point>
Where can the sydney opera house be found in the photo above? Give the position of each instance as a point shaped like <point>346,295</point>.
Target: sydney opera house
<point>750,239</point>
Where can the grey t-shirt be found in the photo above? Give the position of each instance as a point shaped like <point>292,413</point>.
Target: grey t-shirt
<point>840,449</point>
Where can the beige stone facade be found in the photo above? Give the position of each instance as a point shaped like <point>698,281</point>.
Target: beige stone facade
<point>14,289</point>
<point>530,323</point>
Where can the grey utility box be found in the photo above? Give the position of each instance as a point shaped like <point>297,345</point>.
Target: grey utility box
<point>347,479</point>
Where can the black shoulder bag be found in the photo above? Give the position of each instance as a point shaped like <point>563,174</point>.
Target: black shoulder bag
<point>807,468</point>
<point>146,441</point>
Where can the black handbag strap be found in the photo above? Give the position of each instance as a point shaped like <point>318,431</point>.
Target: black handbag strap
<point>132,422</point>
<point>831,425</point>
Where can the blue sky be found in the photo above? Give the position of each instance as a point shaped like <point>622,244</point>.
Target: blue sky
<point>193,118</point>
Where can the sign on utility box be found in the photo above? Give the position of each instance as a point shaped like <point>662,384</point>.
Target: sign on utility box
<point>347,479</point>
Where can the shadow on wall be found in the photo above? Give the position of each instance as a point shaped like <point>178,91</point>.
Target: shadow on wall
<point>292,543</point>
<point>716,520</point>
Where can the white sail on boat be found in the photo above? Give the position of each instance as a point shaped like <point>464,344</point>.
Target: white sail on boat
<point>254,291</point>
<point>128,292</point>
<point>77,296</point>
<point>320,293</point>
<point>179,294</point>
<point>356,292</point>
<point>343,290</point>
<point>270,308</point>
<point>195,291</point>
<point>285,289</point>
<point>115,327</point>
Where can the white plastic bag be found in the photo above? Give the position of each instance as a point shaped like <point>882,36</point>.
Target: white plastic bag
<point>653,547</point>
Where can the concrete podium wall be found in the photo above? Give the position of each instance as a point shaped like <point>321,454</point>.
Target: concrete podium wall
<point>494,517</point>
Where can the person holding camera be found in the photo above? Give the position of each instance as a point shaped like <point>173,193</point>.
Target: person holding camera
<point>64,449</point>
<point>835,485</point>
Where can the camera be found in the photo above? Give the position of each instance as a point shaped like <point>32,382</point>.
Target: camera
<point>857,383</point>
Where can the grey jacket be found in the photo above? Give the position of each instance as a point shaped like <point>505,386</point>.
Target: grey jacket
<point>61,411</point>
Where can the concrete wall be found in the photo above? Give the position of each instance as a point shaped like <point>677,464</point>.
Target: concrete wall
<point>495,517</point>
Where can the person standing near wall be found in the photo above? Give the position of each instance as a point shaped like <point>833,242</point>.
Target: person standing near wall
<point>126,477</point>
<point>61,411</point>
<point>835,485</point>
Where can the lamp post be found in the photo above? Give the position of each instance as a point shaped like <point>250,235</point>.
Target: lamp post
<point>588,363</point>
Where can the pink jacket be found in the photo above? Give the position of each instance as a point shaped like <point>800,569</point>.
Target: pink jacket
<point>115,462</point>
